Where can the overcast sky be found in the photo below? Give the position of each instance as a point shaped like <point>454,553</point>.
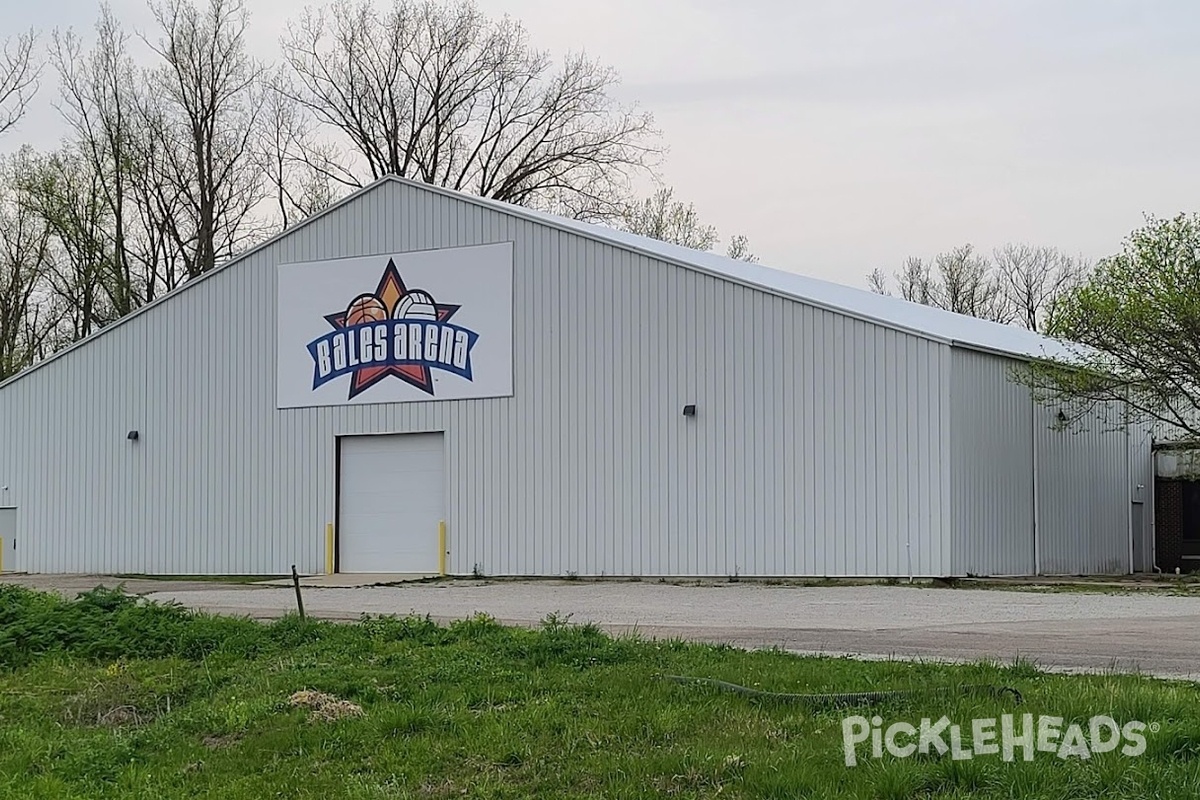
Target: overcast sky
<point>844,135</point>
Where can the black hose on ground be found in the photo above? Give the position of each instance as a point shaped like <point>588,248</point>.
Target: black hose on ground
<point>842,699</point>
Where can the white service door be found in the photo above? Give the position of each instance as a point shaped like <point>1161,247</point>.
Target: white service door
<point>8,539</point>
<point>391,498</point>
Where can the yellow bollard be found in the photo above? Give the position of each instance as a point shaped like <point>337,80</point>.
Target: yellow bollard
<point>329,548</point>
<point>442,547</point>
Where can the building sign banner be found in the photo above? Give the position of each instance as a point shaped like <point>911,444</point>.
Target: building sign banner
<point>428,325</point>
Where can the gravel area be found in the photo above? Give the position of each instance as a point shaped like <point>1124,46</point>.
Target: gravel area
<point>1152,633</point>
<point>743,605</point>
<point>1146,632</point>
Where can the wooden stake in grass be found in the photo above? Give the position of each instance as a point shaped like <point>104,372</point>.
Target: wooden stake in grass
<point>299,599</point>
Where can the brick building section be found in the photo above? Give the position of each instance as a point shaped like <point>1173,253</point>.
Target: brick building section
<point>1168,524</point>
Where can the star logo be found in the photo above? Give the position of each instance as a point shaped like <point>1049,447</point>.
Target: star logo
<point>389,295</point>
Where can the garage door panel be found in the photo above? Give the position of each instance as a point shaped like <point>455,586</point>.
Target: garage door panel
<point>391,499</point>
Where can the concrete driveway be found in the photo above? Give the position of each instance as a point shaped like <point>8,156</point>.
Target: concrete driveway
<point>1146,632</point>
<point>1131,632</point>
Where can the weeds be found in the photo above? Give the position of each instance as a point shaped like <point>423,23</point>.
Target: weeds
<point>111,696</point>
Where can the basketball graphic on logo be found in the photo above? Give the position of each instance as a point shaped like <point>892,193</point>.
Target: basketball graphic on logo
<point>391,332</point>
<point>365,308</point>
<point>415,305</point>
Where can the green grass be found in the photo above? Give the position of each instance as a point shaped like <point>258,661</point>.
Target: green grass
<point>108,696</point>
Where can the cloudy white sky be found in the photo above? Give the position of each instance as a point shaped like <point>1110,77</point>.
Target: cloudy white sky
<point>844,135</point>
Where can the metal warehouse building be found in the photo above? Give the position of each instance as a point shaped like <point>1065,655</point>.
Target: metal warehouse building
<point>451,381</point>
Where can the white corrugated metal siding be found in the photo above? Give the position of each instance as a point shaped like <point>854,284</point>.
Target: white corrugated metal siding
<point>820,446</point>
<point>1005,445</point>
<point>992,468</point>
<point>1083,495</point>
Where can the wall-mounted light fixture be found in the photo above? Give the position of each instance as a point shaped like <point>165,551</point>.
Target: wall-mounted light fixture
<point>1062,417</point>
<point>689,410</point>
<point>132,436</point>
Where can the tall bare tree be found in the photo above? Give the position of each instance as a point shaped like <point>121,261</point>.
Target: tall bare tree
<point>1035,279</point>
<point>157,199</point>
<point>966,285</point>
<point>295,162</point>
<point>660,216</point>
<point>877,281</point>
<point>916,282</point>
<point>209,114</point>
<point>99,103</point>
<point>19,72</point>
<point>1021,284</point>
<point>739,249</point>
<point>441,93</point>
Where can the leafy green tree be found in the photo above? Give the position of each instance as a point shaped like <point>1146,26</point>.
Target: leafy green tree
<point>68,197</point>
<point>1136,320</point>
<point>27,317</point>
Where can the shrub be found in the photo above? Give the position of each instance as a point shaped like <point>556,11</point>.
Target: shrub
<point>107,624</point>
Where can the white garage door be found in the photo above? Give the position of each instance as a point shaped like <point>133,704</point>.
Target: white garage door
<point>391,498</point>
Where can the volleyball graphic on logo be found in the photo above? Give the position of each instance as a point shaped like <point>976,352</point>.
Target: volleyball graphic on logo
<point>392,332</point>
<point>416,305</point>
<point>366,308</point>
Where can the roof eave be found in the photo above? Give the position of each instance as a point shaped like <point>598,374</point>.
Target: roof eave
<point>132,315</point>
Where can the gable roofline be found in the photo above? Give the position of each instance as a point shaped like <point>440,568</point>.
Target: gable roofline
<point>946,327</point>
<point>890,312</point>
<point>183,287</point>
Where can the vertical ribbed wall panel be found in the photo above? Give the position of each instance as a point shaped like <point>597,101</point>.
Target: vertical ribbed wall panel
<point>820,445</point>
<point>993,468</point>
<point>1083,512</point>
<point>1082,477</point>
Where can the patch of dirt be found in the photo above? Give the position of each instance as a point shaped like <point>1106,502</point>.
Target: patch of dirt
<point>220,742</point>
<point>443,789</point>
<point>119,716</point>
<point>324,707</point>
<point>116,701</point>
<point>94,712</point>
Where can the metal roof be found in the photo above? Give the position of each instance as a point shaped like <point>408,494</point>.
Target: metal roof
<point>934,323</point>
